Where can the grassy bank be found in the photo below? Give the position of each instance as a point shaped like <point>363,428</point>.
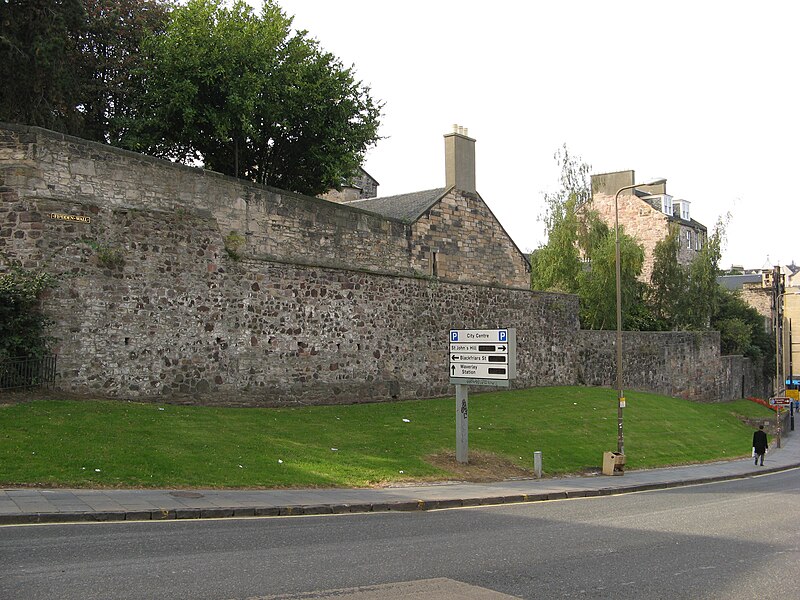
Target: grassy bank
<point>102,443</point>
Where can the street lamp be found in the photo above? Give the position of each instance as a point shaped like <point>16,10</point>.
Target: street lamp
<point>620,395</point>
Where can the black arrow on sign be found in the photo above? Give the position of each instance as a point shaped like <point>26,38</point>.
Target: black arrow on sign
<point>454,369</point>
<point>455,357</point>
<point>502,348</point>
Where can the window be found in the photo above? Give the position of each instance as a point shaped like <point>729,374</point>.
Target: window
<point>689,239</point>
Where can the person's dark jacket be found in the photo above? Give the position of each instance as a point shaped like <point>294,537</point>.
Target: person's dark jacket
<point>760,441</point>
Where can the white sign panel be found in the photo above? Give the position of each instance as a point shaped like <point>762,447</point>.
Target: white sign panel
<point>478,335</point>
<point>482,356</point>
<point>482,371</point>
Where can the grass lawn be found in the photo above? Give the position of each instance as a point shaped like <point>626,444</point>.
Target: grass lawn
<point>127,444</point>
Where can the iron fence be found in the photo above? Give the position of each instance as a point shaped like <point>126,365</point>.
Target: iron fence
<point>30,372</point>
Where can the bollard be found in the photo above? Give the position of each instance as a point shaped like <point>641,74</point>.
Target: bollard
<point>537,464</point>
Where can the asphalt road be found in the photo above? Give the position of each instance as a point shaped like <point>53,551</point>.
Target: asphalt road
<point>733,540</point>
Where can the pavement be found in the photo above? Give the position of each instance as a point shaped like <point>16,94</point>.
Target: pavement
<point>27,505</point>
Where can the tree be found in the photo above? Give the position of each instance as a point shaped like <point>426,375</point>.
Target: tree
<point>38,63</point>
<point>556,265</point>
<point>666,295</point>
<point>250,98</point>
<point>22,322</point>
<point>598,285</point>
<point>110,56</point>
<point>702,291</point>
<point>580,254</point>
<point>67,64</point>
<point>741,328</point>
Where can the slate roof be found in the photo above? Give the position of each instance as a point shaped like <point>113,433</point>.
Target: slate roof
<point>404,207</point>
<point>644,196</point>
<point>735,282</point>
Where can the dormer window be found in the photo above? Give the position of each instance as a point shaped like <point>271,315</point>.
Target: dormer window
<point>681,208</point>
<point>664,201</point>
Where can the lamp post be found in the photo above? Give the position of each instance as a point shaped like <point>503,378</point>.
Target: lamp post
<point>620,395</point>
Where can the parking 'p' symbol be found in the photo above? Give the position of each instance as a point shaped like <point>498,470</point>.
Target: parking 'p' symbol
<point>503,335</point>
<point>453,336</point>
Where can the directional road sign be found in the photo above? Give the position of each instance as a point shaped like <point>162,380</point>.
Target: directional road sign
<point>482,356</point>
<point>780,401</point>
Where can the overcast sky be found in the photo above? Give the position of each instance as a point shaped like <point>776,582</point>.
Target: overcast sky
<point>702,93</point>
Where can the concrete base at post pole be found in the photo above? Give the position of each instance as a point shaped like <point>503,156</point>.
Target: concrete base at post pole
<point>462,424</point>
<point>537,464</point>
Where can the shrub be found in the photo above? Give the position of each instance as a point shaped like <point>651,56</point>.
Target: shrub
<point>22,322</point>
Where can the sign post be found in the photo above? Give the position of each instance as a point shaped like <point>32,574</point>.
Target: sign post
<point>462,423</point>
<point>778,402</point>
<point>478,357</point>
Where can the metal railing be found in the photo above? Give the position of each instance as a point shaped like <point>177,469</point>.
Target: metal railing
<point>30,372</point>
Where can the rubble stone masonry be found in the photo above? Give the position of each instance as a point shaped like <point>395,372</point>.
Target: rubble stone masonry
<point>310,302</point>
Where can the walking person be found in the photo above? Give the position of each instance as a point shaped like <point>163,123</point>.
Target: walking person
<point>760,444</point>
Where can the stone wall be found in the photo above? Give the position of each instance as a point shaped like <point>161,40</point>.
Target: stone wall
<point>175,316</point>
<point>742,377</point>
<point>154,303</point>
<point>272,223</point>
<point>680,364</point>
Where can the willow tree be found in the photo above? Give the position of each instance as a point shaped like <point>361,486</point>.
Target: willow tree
<point>580,254</point>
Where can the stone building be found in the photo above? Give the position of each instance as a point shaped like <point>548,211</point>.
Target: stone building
<point>362,185</point>
<point>453,232</point>
<point>646,213</point>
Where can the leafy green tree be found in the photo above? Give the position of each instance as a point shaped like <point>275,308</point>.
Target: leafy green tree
<point>556,265</point>
<point>666,295</point>
<point>598,285</point>
<point>67,64</point>
<point>250,98</point>
<point>702,291</point>
<point>741,328</point>
<point>39,63</point>
<point>580,255</point>
<point>110,55</point>
<point>22,323</point>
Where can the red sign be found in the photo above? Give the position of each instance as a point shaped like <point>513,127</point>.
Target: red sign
<point>780,401</point>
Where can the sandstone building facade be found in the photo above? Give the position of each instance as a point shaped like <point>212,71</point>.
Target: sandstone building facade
<point>646,213</point>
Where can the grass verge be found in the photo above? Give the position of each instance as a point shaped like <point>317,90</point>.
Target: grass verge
<point>127,444</point>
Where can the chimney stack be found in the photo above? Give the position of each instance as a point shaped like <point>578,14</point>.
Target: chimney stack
<point>459,160</point>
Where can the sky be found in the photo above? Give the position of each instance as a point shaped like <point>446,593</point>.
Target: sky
<point>702,93</point>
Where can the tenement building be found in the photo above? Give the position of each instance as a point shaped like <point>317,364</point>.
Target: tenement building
<point>647,213</point>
